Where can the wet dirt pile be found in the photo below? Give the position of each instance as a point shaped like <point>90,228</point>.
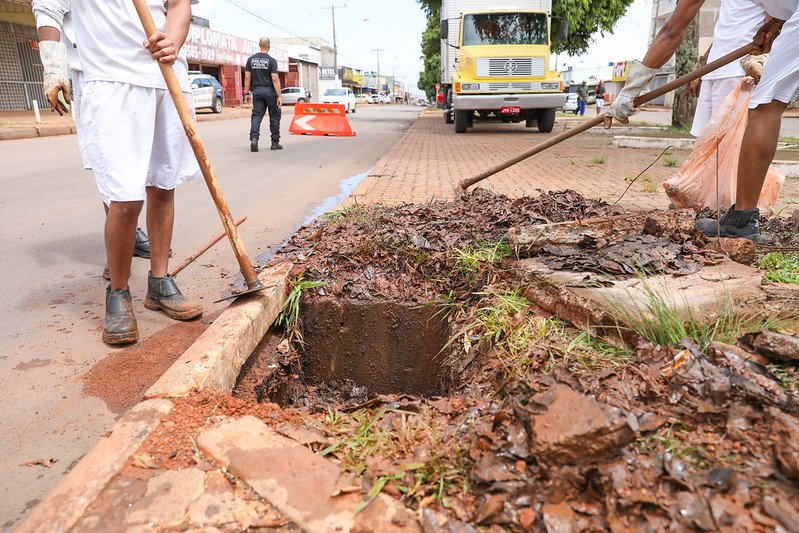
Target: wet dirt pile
<point>540,427</point>
<point>405,252</point>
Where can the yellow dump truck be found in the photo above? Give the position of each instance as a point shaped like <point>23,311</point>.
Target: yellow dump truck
<point>495,63</point>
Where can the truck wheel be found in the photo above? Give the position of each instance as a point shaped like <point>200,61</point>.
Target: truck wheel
<point>461,121</point>
<point>546,120</point>
<point>448,116</point>
<point>532,119</point>
<point>448,110</point>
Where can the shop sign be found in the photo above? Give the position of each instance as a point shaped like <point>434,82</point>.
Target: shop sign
<point>357,77</point>
<point>346,74</point>
<point>621,70</point>
<point>204,45</point>
<point>327,73</point>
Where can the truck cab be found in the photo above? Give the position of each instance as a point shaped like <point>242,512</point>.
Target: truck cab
<point>495,64</point>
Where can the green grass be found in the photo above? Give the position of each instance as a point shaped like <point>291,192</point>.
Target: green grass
<point>601,160</point>
<point>289,317</point>
<point>670,161</point>
<point>663,321</point>
<point>673,440</point>
<point>788,376</point>
<point>473,259</point>
<point>647,185</point>
<point>780,267</point>
<point>363,435</point>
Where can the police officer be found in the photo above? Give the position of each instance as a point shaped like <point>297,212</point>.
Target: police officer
<point>261,74</point>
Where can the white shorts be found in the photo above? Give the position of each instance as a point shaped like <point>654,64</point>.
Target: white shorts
<point>780,80</point>
<point>711,94</point>
<point>600,103</point>
<point>77,94</point>
<point>134,139</point>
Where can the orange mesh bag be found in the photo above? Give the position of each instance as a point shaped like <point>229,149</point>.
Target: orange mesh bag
<point>708,177</point>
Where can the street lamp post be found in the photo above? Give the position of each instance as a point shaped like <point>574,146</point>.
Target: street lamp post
<point>332,9</point>
<point>378,50</point>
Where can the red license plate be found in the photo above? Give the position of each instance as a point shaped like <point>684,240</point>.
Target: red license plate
<point>510,110</point>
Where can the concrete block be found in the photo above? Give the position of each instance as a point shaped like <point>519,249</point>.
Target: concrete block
<point>215,359</point>
<point>302,485</point>
<point>10,134</point>
<point>65,505</point>
<point>52,131</point>
<point>658,143</point>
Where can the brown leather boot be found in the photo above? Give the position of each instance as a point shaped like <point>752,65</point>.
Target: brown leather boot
<point>163,294</point>
<point>120,323</point>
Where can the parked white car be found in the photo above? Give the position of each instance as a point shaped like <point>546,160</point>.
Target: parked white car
<point>292,95</point>
<point>207,92</point>
<point>385,99</point>
<point>341,95</point>
<point>571,103</point>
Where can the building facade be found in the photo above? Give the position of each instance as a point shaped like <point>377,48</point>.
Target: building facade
<point>661,12</point>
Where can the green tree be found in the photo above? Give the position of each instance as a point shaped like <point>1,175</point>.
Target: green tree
<point>682,112</point>
<point>586,18</point>
<point>431,49</point>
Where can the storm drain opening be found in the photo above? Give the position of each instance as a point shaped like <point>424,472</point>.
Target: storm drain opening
<point>350,351</point>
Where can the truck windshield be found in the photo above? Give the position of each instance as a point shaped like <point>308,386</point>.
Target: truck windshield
<point>505,28</point>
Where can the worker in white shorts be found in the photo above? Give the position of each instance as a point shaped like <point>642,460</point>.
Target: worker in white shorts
<point>777,88</point>
<point>133,139</point>
<point>738,22</point>
<point>55,13</point>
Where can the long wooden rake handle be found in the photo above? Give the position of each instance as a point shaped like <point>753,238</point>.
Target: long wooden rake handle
<point>599,119</point>
<point>247,270</point>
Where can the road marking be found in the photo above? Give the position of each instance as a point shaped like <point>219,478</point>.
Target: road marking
<point>303,123</point>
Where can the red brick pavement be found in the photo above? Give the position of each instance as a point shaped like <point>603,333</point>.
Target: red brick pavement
<point>430,159</point>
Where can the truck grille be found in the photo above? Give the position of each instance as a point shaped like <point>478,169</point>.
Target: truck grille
<point>513,86</point>
<point>504,67</point>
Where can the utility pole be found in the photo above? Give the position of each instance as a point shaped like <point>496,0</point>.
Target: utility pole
<point>332,9</point>
<point>378,50</point>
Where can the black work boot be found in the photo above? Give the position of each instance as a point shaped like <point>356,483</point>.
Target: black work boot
<point>120,323</point>
<point>142,246</point>
<point>163,294</point>
<point>253,145</point>
<point>276,146</point>
<point>734,224</point>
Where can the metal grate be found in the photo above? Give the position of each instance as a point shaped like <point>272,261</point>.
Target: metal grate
<point>510,66</point>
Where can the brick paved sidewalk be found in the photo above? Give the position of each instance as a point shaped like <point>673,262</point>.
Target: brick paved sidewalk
<point>430,159</point>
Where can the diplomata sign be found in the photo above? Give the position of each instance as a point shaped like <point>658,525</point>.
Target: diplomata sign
<point>206,46</point>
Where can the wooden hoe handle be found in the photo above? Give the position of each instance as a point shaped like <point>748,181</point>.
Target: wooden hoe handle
<point>187,119</point>
<point>599,119</point>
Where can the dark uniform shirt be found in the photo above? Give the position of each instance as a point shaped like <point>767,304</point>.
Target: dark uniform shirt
<point>261,66</point>
<point>600,93</point>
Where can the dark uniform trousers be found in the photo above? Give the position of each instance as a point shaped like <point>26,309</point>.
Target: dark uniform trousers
<point>264,98</point>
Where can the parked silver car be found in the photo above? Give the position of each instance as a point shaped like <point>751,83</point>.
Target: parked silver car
<point>292,95</point>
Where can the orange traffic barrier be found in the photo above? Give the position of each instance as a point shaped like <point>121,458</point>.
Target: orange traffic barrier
<point>321,119</point>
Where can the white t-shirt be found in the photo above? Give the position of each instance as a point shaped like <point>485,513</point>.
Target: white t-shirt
<point>55,13</point>
<point>781,9</point>
<point>738,22</point>
<point>110,37</point>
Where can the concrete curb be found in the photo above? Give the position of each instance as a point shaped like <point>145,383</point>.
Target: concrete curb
<point>61,509</point>
<point>790,168</point>
<point>214,360</point>
<point>660,143</point>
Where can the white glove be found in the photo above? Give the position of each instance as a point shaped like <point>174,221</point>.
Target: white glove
<point>623,106</point>
<point>56,76</point>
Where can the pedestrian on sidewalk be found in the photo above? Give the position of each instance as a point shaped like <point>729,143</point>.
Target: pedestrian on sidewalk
<point>260,73</point>
<point>777,88</point>
<point>600,97</point>
<point>135,143</point>
<point>582,98</point>
<point>56,13</point>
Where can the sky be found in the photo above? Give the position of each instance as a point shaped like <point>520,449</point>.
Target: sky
<point>396,27</point>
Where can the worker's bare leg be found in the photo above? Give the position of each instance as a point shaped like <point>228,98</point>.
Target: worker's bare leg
<point>120,236</point>
<point>162,292</point>
<point>757,152</point>
<point>160,220</point>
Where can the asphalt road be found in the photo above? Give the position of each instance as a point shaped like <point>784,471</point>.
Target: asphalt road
<point>52,299</point>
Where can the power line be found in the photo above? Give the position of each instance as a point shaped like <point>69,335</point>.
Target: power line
<point>261,17</point>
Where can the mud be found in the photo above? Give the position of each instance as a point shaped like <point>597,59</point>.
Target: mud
<point>122,378</point>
